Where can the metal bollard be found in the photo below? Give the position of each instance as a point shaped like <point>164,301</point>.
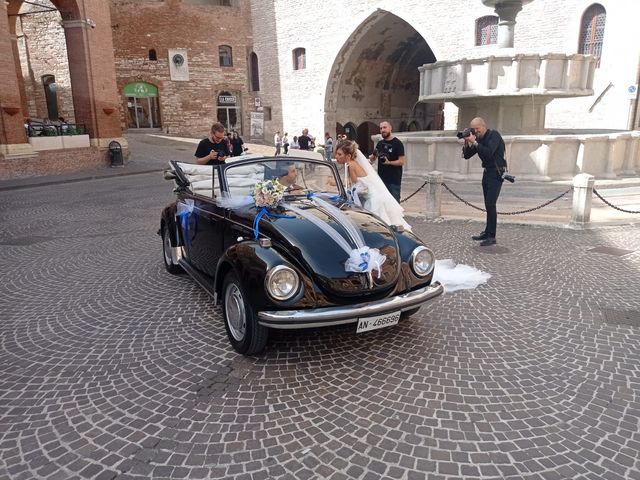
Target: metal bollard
<point>434,195</point>
<point>582,196</point>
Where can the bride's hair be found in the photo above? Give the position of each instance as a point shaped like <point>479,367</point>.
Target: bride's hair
<point>349,147</point>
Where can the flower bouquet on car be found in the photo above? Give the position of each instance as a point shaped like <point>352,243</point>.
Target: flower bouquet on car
<point>267,193</point>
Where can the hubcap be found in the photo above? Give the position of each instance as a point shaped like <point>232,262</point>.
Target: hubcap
<point>235,312</point>
<point>167,247</point>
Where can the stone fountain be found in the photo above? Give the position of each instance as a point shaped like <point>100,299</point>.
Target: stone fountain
<point>511,91</point>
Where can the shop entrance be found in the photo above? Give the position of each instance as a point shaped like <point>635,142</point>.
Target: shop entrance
<point>229,113</point>
<point>142,105</point>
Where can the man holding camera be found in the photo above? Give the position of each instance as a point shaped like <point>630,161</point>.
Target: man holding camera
<point>489,146</point>
<point>390,154</point>
<point>214,149</point>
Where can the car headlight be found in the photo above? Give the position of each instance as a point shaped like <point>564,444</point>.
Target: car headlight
<point>422,261</point>
<point>282,282</point>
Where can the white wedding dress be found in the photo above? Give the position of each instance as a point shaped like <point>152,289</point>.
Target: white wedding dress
<point>458,277</point>
<point>377,198</point>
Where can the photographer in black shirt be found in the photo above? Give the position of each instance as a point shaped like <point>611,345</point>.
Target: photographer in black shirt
<point>489,146</point>
<point>214,149</point>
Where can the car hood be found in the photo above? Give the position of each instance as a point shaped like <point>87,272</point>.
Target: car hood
<point>321,256</point>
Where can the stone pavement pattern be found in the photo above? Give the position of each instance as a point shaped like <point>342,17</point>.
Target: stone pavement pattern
<point>110,368</point>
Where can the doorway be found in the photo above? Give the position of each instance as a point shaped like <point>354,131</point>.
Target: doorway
<point>142,105</point>
<point>229,113</point>
<point>51,96</point>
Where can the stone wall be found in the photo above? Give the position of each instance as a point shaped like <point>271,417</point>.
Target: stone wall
<point>53,162</point>
<point>187,108</point>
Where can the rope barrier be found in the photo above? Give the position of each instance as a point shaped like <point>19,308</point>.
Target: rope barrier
<point>595,192</point>
<point>519,212</point>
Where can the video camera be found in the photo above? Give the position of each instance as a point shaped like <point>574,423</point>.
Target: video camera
<point>466,132</point>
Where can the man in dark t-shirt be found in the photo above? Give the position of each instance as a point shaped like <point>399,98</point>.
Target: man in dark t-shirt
<point>304,140</point>
<point>214,149</point>
<point>390,155</point>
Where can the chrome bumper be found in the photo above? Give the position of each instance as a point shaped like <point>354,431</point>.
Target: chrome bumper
<point>322,317</point>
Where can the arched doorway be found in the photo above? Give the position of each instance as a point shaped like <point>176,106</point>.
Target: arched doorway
<point>142,105</point>
<point>375,75</point>
<point>351,131</point>
<point>59,39</point>
<point>365,131</point>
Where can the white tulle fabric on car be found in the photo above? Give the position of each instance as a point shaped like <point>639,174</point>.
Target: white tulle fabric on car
<point>458,277</point>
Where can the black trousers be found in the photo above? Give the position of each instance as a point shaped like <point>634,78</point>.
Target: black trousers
<point>491,185</point>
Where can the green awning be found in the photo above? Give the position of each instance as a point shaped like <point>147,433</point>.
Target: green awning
<point>140,90</point>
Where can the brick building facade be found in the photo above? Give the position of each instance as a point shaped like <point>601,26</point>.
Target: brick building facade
<point>195,53</point>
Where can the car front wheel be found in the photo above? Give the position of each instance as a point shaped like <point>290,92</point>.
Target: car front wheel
<point>170,262</point>
<point>245,334</point>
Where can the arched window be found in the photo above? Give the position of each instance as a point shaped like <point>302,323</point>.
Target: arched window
<point>51,96</point>
<point>255,73</point>
<point>299,59</point>
<point>226,57</point>
<point>153,56</point>
<point>487,30</point>
<point>592,31</point>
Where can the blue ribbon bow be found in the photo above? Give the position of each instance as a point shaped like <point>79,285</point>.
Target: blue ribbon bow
<point>264,212</point>
<point>365,261</point>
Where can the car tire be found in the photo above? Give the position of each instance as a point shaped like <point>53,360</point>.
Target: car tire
<point>170,263</point>
<point>409,313</point>
<point>245,334</point>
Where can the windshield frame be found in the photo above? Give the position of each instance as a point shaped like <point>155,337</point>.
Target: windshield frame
<point>224,186</point>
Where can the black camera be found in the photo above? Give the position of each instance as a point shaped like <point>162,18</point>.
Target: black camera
<point>382,157</point>
<point>507,177</point>
<point>466,132</point>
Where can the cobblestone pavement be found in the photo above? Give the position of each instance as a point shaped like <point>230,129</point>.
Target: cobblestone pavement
<point>112,368</point>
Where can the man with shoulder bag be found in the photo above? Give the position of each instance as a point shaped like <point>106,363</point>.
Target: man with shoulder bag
<point>489,146</point>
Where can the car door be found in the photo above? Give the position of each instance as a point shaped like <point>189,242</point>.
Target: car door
<point>205,235</point>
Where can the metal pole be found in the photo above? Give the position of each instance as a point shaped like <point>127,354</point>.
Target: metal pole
<point>635,121</point>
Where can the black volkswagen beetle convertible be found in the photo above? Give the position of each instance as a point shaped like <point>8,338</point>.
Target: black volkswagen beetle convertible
<point>312,259</point>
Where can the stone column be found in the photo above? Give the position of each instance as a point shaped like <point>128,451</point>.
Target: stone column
<point>507,10</point>
<point>92,71</point>
<point>434,195</point>
<point>582,196</point>
<point>13,139</point>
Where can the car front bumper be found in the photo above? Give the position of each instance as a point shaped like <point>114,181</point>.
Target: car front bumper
<point>322,317</point>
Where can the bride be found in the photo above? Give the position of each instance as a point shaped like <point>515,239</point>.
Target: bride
<point>365,179</point>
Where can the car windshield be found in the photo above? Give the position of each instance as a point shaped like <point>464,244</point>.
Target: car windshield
<point>299,176</point>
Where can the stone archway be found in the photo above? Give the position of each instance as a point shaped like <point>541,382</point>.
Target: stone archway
<point>89,49</point>
<point>375,75</point>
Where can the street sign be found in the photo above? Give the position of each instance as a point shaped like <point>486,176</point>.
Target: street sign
<point>632,90</point>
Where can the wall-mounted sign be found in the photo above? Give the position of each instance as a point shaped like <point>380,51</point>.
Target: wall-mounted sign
<point>226,99</point>
<point>632,90</point>
<point>140,90</point>
<point>258,102</point>
<point>257,125</point>
<point>178,64</point>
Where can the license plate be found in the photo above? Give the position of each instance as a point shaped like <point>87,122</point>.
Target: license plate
<point>373,323</point>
